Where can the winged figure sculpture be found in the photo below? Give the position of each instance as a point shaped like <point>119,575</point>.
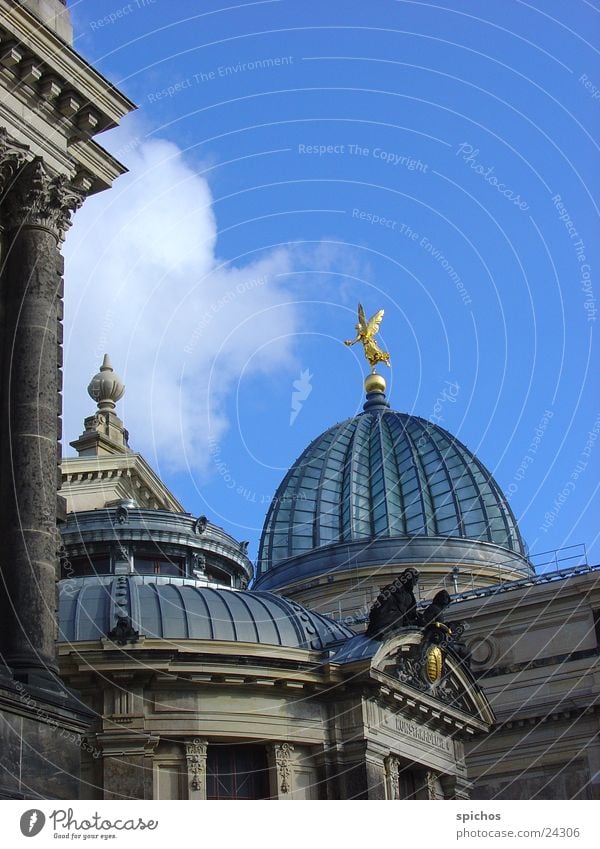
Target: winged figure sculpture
<point>365,331</point>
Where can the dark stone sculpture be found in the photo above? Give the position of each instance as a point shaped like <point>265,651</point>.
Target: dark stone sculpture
<point>200,525</point>
<point>122,515</point>
<point>123,632</point>
<point>395,606</point>
<point>434,612</point>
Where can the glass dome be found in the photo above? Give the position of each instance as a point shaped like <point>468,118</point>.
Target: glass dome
<point>384,474</point>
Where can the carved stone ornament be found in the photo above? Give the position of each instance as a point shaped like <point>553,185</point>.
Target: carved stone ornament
<point>12,158</point>
<point>122,515</point>
<point>123,632</point>
<point>434,662</point>
<point>200,525</point>
<point>432,784</point>
<point>38,199</point>
<point>195,754</point>
<point>422,666</point>
<point>392,774</point>
<point>283,761</point>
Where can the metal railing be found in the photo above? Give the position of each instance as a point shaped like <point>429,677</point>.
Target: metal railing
<point>560,558</point>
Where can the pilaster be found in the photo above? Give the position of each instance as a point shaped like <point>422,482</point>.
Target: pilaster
<point>195,755</point>
<point>455,787</point>
<point>392,777</point>
<point>280,757</point>
<point>127,764</point>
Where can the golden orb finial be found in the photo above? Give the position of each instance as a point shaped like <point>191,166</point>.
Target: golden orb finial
<point>375,383</point>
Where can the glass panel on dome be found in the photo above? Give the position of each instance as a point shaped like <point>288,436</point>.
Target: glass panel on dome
<point>444,500</point>
<point>280,539</point>
<point>475,528</point>
<point>489,498</point>
<point>413,510</point>
<point>415,526</point>
<point>448,527</point>
<point>445,512</point>
<point>440,488</point>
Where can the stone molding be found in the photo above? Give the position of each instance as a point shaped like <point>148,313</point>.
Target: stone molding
<point>195,755</point>
<point>115,476</point>
<point>38,59</point>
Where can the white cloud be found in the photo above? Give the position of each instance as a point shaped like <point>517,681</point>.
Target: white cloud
<point>143,283</point>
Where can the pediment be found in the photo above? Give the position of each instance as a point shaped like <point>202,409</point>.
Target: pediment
<point>411,661</point>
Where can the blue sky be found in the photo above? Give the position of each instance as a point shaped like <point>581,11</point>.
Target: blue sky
<point>289,159</point>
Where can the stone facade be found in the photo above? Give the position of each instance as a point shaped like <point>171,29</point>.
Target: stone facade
<point>535,653</point>
<point>52,105</point>
<point>328,729</point>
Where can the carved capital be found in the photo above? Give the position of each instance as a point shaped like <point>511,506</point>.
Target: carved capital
<point>283,764</point>
<point>392,776</point>
<point>12,158</point>
<point>39,199</point>
<point>195,754</point>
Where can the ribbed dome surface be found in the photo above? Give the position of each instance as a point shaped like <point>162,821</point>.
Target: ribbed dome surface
<point>384,474</point>
<point>180,609</point>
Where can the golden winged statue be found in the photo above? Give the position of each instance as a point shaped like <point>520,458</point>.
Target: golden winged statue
<point>365,331</point>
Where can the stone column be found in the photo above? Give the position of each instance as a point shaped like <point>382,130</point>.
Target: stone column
<point>35,213</point>
<point>195,754</point>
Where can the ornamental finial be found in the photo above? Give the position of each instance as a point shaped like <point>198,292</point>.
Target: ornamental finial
<point>106,387</point>
<point>365,333</point>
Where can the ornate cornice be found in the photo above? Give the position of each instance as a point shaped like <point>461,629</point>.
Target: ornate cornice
<point>39,199</point>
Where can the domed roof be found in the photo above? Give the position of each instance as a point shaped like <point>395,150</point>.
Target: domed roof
<point>180,609</point>
<point>384,474</point>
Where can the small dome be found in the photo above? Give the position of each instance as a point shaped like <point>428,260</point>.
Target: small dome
<point>180,609</point>
<point>384,475</point>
